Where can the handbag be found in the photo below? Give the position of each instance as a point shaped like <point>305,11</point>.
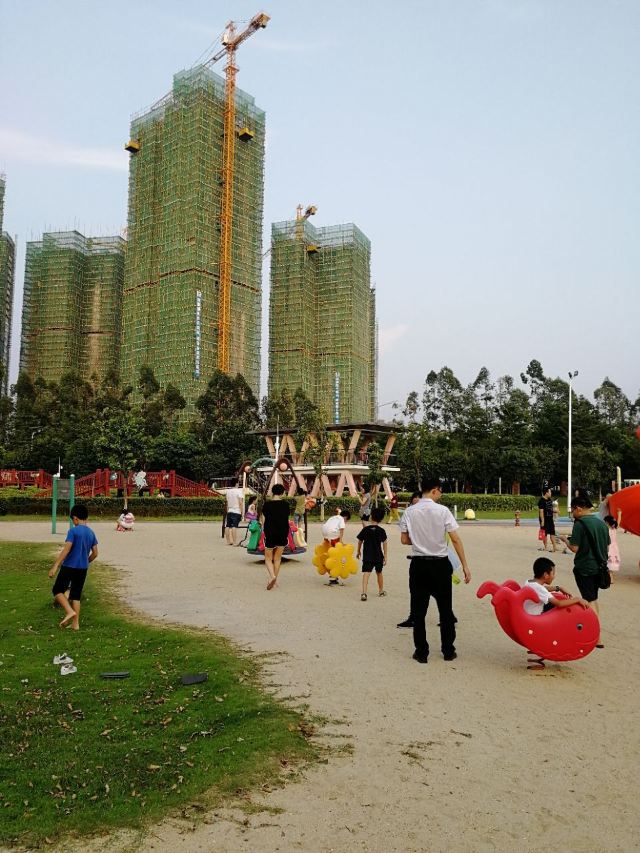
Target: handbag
<point>541,534</point>
<point>604,578</point>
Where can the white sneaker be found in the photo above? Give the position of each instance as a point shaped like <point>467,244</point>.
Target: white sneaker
<point>68,669</point>
<point>61,659</point>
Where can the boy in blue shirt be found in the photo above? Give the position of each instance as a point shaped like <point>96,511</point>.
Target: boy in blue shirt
<point>80,549</point>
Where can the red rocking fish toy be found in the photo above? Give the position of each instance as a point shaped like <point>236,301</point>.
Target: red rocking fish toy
<point>567,633</point>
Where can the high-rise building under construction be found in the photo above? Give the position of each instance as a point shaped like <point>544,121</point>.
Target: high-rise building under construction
<point>7,278</point>
<point>322,318</point>
<point>72,305</point>
<point>172,275</point>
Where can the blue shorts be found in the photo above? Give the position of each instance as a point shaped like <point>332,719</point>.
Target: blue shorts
<point>233,519</point>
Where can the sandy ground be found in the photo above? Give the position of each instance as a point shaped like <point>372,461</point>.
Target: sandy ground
<point>475,755</point>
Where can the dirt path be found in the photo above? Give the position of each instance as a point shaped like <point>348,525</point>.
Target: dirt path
<point>475,755</point>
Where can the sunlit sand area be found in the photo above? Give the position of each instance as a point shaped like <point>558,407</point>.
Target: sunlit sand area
<point>475,755</point>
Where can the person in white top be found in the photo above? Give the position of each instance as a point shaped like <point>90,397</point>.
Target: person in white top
<point>544,572</point>
<point>235,508</point>
<point>425,526</point>
<point>333,532</point>
<point>334,527</point>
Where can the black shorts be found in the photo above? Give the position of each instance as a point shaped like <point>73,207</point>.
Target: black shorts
<point>233,519</point>
<point>72,579</point>
<point>549,528</point>
<point>589,586</point>
<point>372,565</point>
<point>365,517</point>
<point>276,540</point>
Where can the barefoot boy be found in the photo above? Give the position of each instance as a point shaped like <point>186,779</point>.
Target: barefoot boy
<point>80,549</point>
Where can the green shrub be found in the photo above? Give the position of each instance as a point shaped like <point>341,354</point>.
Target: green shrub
<point>146,507</point>
<point>101,507</point>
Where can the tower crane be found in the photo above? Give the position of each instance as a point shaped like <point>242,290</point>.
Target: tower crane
<point>301,218</point>
<point>230,43</point>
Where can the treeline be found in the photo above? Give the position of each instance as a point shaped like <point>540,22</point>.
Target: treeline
<point>89,425</point>
<point>487,430</point>
<point>472,435</point>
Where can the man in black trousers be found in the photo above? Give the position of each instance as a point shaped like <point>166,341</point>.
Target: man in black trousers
<point>424,526</point>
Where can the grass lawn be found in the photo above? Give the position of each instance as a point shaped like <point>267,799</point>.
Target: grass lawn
<point>79,754</point>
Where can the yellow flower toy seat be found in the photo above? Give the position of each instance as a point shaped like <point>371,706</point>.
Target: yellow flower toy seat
<point>320,558</point>
<point>340,561</point>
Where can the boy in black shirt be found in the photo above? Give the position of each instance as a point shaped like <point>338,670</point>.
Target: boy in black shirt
<point>372,539</point>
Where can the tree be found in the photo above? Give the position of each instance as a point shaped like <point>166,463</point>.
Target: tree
<point>228,417</point>
<point>442,400</point>
<point>120,443</point>
<point>152,408</point>
<point>375,454</point>
<point>173,402</point>
<point>176,448</point>
<point>303,405</point>
<point>611,404</point>
<point>313,433</point>
<point>279,410</point>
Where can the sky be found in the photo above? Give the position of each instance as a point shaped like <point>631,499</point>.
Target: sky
<point>487,148</point>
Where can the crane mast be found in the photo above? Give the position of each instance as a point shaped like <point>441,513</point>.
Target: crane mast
<point>231,41</point>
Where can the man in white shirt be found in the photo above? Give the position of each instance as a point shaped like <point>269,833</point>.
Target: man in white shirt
<point>425,526</point>
<point>235,507</point>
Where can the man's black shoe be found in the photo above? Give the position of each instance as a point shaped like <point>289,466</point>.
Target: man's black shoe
<point>408,623</point>
<point>421,658</point>
<point>450,656</point>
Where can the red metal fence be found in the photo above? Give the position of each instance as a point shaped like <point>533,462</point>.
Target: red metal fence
<point>105,482</point>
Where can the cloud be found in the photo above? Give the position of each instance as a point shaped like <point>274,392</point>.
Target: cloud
<point>27,148</point>
<point>388,336</point>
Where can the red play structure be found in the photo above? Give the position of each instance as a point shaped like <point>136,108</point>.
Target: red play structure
<point>107,483</point>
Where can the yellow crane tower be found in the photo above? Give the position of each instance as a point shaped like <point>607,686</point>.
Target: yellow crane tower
<point>230,43</point>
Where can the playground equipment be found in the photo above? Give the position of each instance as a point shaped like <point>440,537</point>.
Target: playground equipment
<point>254,476</point>
<point>255,543</point>
<point>561,634</point>
<point>628,502</point>
<point>104,481</point>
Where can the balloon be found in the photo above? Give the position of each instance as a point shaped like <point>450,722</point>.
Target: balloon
<point>340,561</point>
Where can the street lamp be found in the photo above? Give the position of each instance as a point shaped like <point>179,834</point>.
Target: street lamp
<point>382,405</point>
<point>572,376</point>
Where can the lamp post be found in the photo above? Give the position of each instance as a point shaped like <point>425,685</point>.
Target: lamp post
<point>572,376</point>
<point>382,405</point>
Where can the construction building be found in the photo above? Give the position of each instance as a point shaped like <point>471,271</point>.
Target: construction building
<point>172,274</point>
<point>72,306</point>
<point>7,279</point>
<point>322,318</point>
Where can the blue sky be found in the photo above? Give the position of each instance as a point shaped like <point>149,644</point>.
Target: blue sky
<point>488,148</point>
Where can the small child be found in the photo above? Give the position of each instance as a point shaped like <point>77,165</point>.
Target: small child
<point>251,513</point>
<point>544,571</point>
<point>372,540</point>
<point>80,549</point>
<point>126,520</point>
<point>613,559</point>
<point>334,527</point>
<point>333,531</point>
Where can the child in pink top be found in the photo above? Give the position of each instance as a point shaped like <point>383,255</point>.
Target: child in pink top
<point>613,561</point>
